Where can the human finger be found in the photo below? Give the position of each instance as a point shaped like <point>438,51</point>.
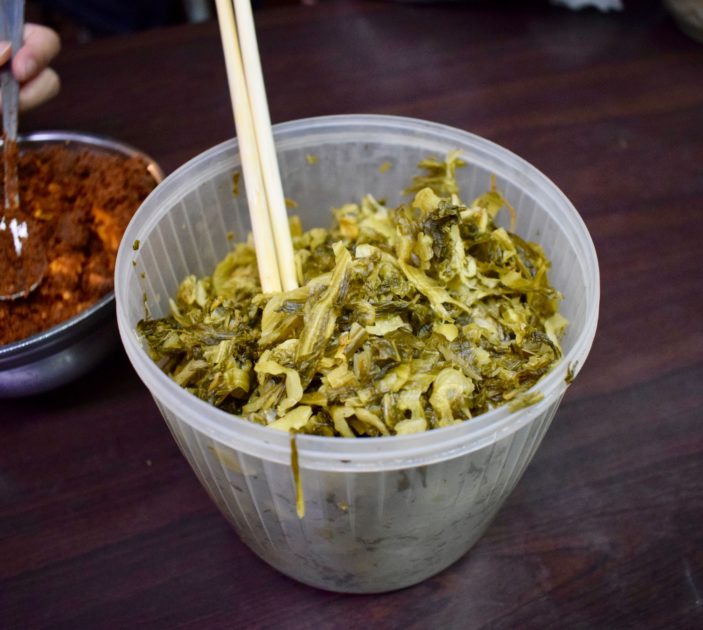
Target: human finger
<point>5,52</point>
<point>43,87</point>
<point>40,45</point>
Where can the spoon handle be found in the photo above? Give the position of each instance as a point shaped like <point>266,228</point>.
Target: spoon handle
<point>11,26</point>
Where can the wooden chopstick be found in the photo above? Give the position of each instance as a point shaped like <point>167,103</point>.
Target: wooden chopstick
<point>264,139</point>
<point>272,240</point>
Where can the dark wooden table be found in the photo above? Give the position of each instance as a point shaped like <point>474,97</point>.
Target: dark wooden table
<point>102,523</point>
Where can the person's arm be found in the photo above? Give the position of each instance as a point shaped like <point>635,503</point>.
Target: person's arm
<point>38,82</point>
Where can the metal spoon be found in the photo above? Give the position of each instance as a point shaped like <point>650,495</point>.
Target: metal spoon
<point>22,253</point>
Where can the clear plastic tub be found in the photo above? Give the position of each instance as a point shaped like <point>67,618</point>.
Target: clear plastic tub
<point>381,513</point>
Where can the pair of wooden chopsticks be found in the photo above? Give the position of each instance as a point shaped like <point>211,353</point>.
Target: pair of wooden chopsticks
<point>262,179</point>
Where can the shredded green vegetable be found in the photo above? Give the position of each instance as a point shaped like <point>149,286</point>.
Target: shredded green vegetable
<point>407,319</point>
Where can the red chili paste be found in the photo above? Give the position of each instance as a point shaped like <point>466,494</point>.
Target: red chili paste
<point>81,201</point>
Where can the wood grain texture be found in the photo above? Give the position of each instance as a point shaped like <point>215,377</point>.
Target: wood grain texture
<point>102,523</point>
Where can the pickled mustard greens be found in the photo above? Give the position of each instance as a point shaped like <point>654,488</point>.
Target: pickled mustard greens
<point>407,319</point>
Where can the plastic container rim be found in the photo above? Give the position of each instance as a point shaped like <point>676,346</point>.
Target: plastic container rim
<point>335,453</point>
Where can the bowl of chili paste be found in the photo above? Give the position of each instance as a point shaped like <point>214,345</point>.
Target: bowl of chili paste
<point>82,191</point>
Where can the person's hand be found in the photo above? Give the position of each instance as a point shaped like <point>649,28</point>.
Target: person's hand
<point>38,82</point>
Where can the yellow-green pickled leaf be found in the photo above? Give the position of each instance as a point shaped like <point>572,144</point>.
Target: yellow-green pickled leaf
<point>295,419</point>
<point>411,425</point>
<point>407,319</point>
<point>451,392</point>
<point>526,400</point>
<point>295,469</point>
<point>386,325</point>
<point>294,390</point>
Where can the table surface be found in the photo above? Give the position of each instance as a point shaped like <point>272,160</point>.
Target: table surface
<point>103,524</point>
